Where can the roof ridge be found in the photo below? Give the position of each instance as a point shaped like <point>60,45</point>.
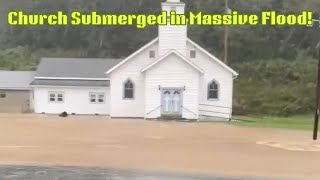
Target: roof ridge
<point>77,58</point>
<point>173,51</point>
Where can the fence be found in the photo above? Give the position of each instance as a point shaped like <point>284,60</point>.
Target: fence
<point>209,112</point>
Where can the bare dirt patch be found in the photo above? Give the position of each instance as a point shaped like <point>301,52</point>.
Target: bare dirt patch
<point>207,148</point>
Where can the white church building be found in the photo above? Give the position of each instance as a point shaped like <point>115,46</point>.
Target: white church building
<point>169,76</point>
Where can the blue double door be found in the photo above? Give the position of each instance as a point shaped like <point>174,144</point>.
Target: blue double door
<point>171,101</point>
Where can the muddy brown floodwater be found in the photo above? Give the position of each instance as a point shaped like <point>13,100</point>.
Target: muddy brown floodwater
<point>194,148</point>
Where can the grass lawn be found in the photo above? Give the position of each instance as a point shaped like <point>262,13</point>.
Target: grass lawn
<point>301,122</point>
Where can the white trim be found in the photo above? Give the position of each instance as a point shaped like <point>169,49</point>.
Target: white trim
<point>56,96</point>
<point>15,89</point>
<point>179,55</point>
<point>82,87</point>
<point>124,89</point>
<point>174,3</point>
<point>213,57</point>
<point>132,55</point>
<point>97,94</point>
<point>71,78</point>
<point>218,90</point>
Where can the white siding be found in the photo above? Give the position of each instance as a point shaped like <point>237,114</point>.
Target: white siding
<point>175,36</point>
<point>76,100</point>
<point>130,70</point>
<point>172,72</point>
<point>214,71</point>
<point>172,37</point>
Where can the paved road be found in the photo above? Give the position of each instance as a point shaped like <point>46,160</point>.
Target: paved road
<point>75,173</point>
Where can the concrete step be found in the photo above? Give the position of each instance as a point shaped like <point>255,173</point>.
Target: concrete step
<point>172,118</point>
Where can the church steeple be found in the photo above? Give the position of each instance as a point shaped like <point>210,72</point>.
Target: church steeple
<point>173,5</point>
<point>173,37</point>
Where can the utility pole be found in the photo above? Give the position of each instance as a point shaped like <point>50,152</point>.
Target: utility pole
<point>317,109</point>
<point>226,34</point>
<point>316,115</point>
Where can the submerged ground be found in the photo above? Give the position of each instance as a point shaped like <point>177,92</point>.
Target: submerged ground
<point>81,173</point>
<point>204,149</point>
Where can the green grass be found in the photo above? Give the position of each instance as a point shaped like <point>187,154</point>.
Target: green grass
<point>301,122</point>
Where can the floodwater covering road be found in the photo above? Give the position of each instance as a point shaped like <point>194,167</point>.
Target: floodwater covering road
<point>214,149</point>
<point>77,173</point>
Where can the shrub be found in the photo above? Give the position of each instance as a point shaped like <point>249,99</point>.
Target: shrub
<point>275,87</point>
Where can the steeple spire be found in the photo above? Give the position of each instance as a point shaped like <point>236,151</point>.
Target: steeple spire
<point>173,5</point>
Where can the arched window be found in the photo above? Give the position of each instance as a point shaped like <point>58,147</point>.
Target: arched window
<point>213,90</point>
<point>128,89</point>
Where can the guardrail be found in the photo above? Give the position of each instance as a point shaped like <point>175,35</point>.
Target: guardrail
<point>153,110</point>
<point>189,111</point>
<point>215,112</point>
